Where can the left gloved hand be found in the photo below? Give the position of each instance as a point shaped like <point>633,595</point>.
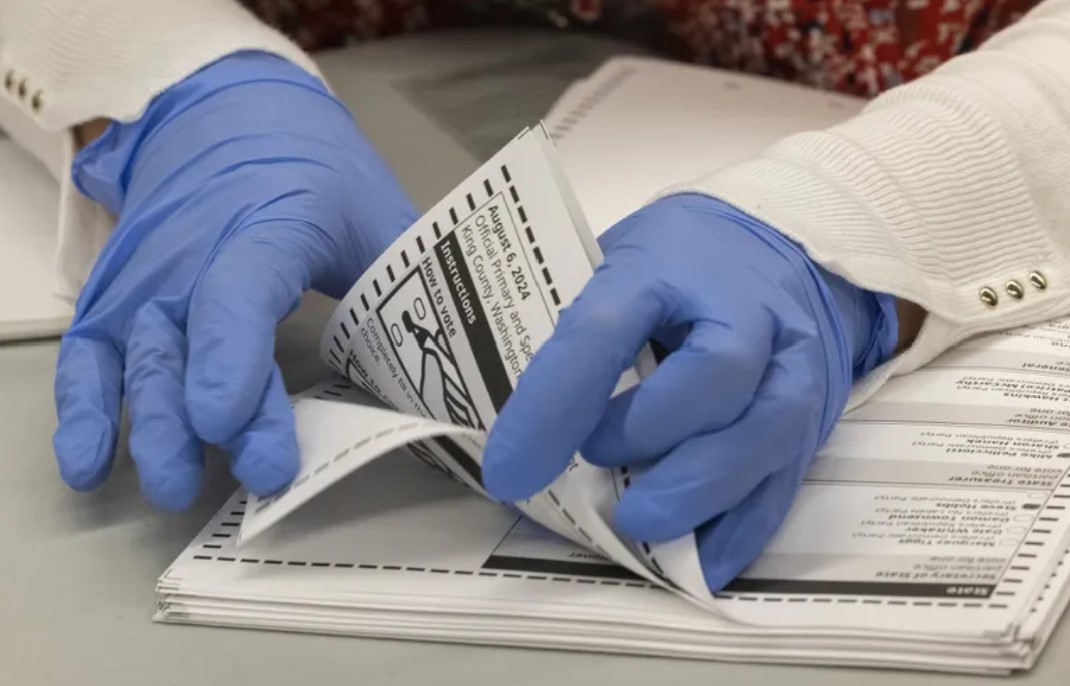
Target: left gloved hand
<point>764,348</point>
<point>239,188</point>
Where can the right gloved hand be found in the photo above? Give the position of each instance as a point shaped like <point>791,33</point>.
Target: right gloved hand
<point>238,189</point>
<point>763,345</point>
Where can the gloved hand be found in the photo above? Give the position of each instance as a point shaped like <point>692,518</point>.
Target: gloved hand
<point>237,190</point>
<point>764,346</point>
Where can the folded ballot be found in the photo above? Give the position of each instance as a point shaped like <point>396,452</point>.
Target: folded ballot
<point>930,533</point>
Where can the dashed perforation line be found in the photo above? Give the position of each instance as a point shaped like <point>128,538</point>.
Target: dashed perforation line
<point>320,564</point>
<point>321,468</point>
<point>530,234</point>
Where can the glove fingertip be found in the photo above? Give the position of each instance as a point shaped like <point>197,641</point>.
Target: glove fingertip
<point>718,576</point>
<point>265,477</point>
<point>217,412</point>
<point>643,519</point>
<point>728,544</point>
<point>724,554</point>
<point>265,464</point>
<point>83,453</point>
<point>511,475</point>
<point>506,482</point>
<point>175,492</point>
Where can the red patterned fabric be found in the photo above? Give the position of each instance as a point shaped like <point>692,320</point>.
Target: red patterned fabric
<point>854,46</point>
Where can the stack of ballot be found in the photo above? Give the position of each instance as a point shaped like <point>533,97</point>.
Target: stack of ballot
<point>931,532</point>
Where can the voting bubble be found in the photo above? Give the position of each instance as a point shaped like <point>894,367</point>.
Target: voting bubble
<point>1024,518</point>
<point>1065,456</point>
<point>1037,495</point>
<point>1009,542</point>
<point>1016,530</point>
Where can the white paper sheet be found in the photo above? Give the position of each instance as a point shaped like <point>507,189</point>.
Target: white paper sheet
<point>638,125</point>
<point>29,203</point>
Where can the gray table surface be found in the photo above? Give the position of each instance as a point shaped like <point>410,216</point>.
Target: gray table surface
<point>77,570</point>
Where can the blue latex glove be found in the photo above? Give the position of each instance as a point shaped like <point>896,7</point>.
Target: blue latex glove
<point>240,188</point>
<point>764,348</point>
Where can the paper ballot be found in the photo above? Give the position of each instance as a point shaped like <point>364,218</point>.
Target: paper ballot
<point>931,532</point>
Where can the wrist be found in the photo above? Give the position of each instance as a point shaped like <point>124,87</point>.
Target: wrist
<point>866,322</point>
<point>869,320</point>
<point>88,132</point>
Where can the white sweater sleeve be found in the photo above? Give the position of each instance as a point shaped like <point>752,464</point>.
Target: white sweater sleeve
<point>65,62</point>
<point>952,192</point>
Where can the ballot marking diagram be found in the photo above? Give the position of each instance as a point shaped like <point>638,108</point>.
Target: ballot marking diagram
<point>422,348</point>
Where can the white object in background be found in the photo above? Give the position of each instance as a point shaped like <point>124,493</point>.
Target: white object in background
<point>29,201</point>
<point>638,125</point>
